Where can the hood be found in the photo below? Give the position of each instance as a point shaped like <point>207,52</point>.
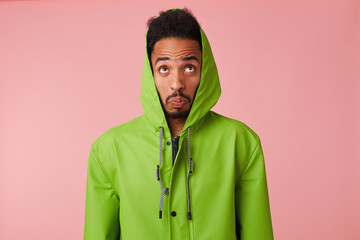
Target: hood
<point>206,96</point>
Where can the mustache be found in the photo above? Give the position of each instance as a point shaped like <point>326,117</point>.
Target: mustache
<point>176,94</point>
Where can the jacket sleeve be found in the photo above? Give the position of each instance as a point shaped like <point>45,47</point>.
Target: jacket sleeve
<point>102,203</point>
<point>253,219</point>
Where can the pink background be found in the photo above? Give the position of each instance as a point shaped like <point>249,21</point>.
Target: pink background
<point>71,70</point>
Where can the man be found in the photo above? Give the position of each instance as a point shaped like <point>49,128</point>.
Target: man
<point>180,171</point>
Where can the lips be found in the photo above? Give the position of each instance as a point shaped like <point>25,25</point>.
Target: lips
<point>177,102</point>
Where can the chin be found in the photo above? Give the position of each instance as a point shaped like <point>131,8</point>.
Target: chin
<point>178,114</point>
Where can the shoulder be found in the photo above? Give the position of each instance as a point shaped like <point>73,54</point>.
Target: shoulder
<point>228,125</point>
<point>119,132</point>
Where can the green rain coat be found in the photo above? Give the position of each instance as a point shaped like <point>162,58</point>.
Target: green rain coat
<point>130,177</point>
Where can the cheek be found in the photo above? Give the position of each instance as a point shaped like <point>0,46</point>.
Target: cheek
<point>161,88</point>
<point>194,84</point>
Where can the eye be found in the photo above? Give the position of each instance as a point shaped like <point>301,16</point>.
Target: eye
<point>163,69</point>
<point>189,68</point>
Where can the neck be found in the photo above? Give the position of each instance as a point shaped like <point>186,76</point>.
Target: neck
<point>175,125</point>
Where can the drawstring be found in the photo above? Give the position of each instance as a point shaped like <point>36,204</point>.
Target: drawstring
<point>166,190</point>
<point>188,175</point>
<point>163,190</point>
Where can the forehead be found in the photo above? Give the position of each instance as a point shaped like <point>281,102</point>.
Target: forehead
<point>176,48</point>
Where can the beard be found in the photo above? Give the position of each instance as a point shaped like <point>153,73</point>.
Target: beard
<point>178,114</point>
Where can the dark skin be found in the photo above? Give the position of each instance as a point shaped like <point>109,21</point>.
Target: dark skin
<point>176,64</point>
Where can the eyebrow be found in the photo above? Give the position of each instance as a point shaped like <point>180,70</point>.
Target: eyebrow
<point>161,59</point>
<point>183,59</point>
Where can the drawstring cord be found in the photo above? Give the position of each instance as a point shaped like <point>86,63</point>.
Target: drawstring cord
<point>188,175</point>
<point>166,190</point>
<point>163,190</point>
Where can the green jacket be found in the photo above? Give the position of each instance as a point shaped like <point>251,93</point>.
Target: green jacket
<point>216,189</point>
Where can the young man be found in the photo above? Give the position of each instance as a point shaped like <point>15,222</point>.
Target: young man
<point>180,171</point>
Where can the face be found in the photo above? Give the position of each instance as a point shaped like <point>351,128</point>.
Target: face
<point>176,64</point>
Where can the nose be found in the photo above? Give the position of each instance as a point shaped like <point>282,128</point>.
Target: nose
<point>177,82</point>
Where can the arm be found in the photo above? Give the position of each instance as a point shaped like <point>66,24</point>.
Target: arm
<point>102,203</point>
<point>253,220</point>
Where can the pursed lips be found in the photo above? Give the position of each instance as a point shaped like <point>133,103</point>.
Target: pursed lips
<point>177,100</point>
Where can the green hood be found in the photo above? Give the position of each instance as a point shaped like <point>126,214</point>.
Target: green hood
<point>206,96</point>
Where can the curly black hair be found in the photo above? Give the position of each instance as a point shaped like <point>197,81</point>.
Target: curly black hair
<point>179,23</point>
